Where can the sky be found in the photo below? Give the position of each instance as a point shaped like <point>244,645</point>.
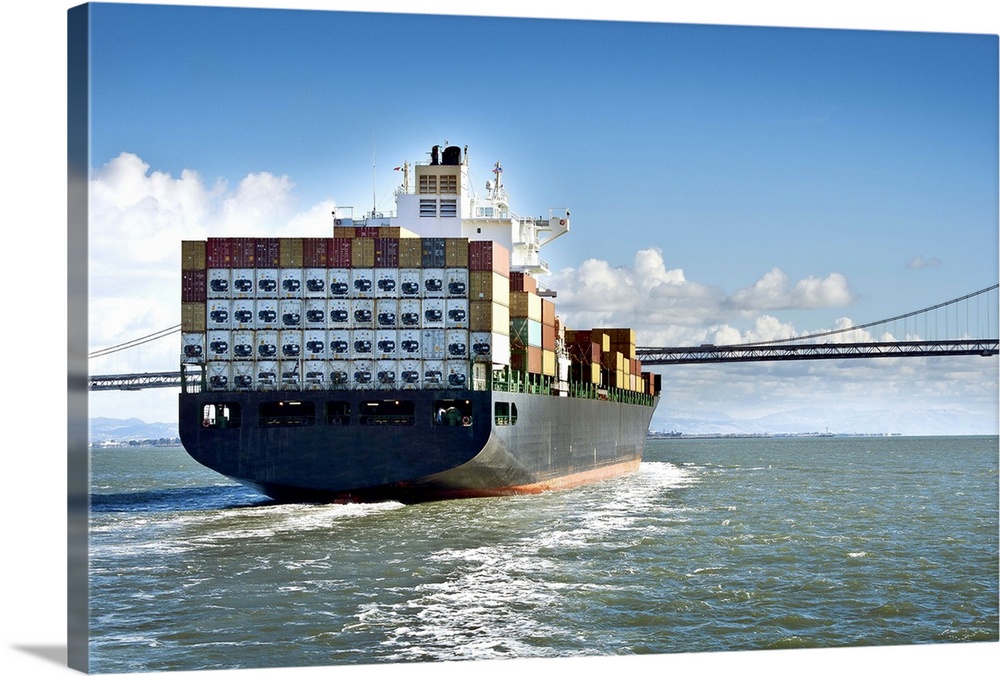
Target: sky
<point>726,158</point>
<point>727,182</point>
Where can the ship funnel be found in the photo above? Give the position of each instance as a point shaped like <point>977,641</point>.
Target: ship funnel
<point>452,156</point>
<point>434,154</point>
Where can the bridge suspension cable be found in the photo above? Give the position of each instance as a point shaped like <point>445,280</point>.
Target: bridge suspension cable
<point>135,342</point>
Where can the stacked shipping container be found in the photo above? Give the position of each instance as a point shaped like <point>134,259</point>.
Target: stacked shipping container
<point>367,308</point>
<point>378,307</point>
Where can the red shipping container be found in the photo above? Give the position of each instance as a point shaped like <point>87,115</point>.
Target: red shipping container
<point>338,252</point>
<point>548,337</point>
<point>193,286</point>
<point>386,252</point>
<point>489,256</point>
<point>267,252</point>
<point>548,313</point>
<point>366,231</point>
<point>219,252</point>
<point>314,252</point>
<point>243,251</point>
<point>520,281</point>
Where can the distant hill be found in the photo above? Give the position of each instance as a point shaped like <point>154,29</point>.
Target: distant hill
<point>131,429</point>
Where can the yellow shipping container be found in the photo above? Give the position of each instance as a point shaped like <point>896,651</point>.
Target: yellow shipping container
<point>410,253</point>
<point>363,252</point>
<point>456,252</point>
<point>193,317</point>
<point>193,255</point>
<point>290,252</point>
<point>548,363</point>
<point>526,305</point>
<point>488,316</point>
<point>486,285</point>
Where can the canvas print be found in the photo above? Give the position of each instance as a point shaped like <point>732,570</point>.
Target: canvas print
<point>421,338</point>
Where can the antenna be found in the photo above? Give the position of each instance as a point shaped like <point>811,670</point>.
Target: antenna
<point>374,205</point>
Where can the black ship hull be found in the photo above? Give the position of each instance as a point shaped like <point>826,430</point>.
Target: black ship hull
<point>411,445</point>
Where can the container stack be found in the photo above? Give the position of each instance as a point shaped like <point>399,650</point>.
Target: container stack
<point>370,308</point>
<point>607,358</point>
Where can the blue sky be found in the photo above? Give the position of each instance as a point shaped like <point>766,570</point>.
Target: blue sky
<point>738,182</point>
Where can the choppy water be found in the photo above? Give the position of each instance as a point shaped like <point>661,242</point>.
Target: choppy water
<point>715,545</point>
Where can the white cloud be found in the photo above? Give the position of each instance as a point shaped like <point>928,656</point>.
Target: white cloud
<point>774,292</point>
<point>919,262</point>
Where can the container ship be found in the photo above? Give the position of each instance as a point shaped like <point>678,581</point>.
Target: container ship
<point>410,356</point>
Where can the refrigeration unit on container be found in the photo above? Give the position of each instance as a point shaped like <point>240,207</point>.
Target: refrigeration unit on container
<point>289,371</point>
<point>243,376</point>
<point>291,344</point>
<point>362,373</point>
<point>456,313</point>
<point>267,344</point>
<point>219,283</point>
<point>362,313</point>
<point>386,313</point>
<point>409,343</point>
<point>433,312</point>
<point>409,314</point>
<point>339,374</point>
<point>456,373</point>
<point>386,344</point>
<point>432,283</point>
<point>314,343</point>
<point>217,375</point>
<point>267,282</point>
<point>362,344</point>
<point>410,374</point>
<point>314,281</point>
<point>266,313</point>
<point>362,283</point>
<point>457,344</point>
<point>314,374</point>
<point>456,282</point>
<point>433,374</point>
<point>219,315</point>
<point>386,283</point>
<point>266,375</point>
<point>290,283</point>
<point>339,280</point>
<point>339,341</point>
<point>387,373</point>
<point>290,313</point>
<point>244,317</point>
<point>314,313</point>
<point>410,282</point>
<point>490,347</point>
<point>192,347</point>
<point>243,345</point>
<point>339,313</point>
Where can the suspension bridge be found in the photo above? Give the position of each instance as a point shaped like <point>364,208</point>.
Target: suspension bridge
<point>958,327</point>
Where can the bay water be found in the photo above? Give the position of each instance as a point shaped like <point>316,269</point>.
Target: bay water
<point>714,545</point>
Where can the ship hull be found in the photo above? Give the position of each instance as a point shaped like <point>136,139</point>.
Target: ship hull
<point>501,443</point>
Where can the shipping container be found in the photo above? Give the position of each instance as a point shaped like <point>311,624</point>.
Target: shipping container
<point>219,346</point>
<point>290,313</point>
<point>456,252</point>
<point>243,345</point>
<point>244,282</point>
<point>432,252</point>
<point>362,282</point>
<point>193,255</point>
<point>314,343</point>
<point>267,282</point>
<point>266,375</point>
<point>433,312</point>
<point>339,341</point>
<point>314,376</point>
<point>548,312</point>
<point>362,253</point>
<point>366,231</point>
<point>267,344</point>
<point>290,374</point>
<point>290,252</point>
<point>362,344</point>
<point>314,283</point>
<point>219,285</point>
<point>489,256</point>
<point>362,374</point>
<point>242,374</point>
<point>457,341</point>
<point>410,376</point>
<point>386,283</point>
<point>314,252</point>
<point>525,333</point>
<point>526,360</point>
<point>548,363</point>
<point>456,282</point>
<point>192,347</point>
<point>433,374</point>
<point>339,313</point>
<point>386,252</point>
<point>523,282</point>
<point>363,313</point>
<point>410,282</point>
<point>456,313</point>
<point>396,232</point>
<point>386,313</point>
<point>433,283</point>
<point>339,280</point>
<point>548,337</point>
<point>243,313</point>
<point>410,253</point>
<point>387,373</point>
<point>489,286</point>
<point>409,313</point>
<point>456,374</point>
<point>524,304</point>
<point>339,374</point>
<point>489,317</point>
<point>290,283</point>
<point>219,314</point>
<point>290,341</point>
<point>386,344</point>
<point>432,344</point>
<point>267,253</point>
<point>218,374</point>
<point>194,286</point>
<point>244,252</point>
<point>338,252</point>
<point>314,312</point>
<point>218,252</point>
